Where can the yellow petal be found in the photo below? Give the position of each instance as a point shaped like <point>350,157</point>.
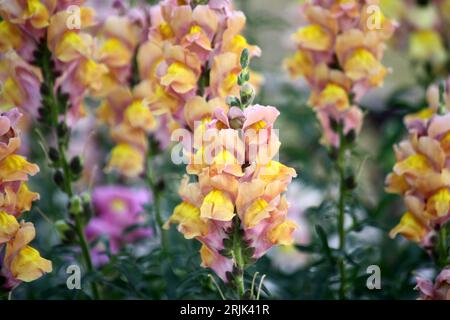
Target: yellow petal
<point>8,226</point>
<point>180,78</point>
<point>188,219</point>
<point>427,45</point>
<point>410,228</point>
<point>127,160</point>
<point>396,184</point>
<point>282,234</point>
<point>438,204</point>
<point>10,36</point>
<point>362,65</point>
<point>334,95</point>
<point>93,75</point>
<point>138,115</point>
<point>415,165</point>
<point>38,13</point>
<point>217,205</point>
<point>207,256</point>
<point>300,64</point>
<point>15,167</point>
<point>114,53</point>
<point>258,210</point>
<point>313,37</point>
<point>12,93</point>
<point>71,46</point>
<point>28,265</point>
<point>25,198</point>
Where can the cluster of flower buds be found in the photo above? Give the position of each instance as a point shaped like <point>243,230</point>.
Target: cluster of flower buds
<point>235,207</point>
<point>20,261</point>
<point>339,54</point>
<point>422,173</point>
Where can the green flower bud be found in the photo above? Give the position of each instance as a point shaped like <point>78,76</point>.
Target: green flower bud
<point>76,166</point>
<point>351,136</point>
<point>58,178</point>
<point>76,205</point>
<point>247,94</point>
<point>243,77</point>
<point>86,197</point>
<point>245,59</point>
<point>350,183</point>
<point>233,101</point>
<point>334,124</point>
<point>62,130</point>
<point>63,228</point>
<point>53,154</point>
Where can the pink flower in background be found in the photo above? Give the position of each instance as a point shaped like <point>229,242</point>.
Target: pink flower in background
<point>440,290</point>
<point>118,209</point>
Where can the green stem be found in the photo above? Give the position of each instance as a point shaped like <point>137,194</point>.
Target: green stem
<point>151,181</point>
<point>341,212</point>
<point>443,249</point>
<point>86,253</point>
<point>239,260</point>
<point>62,143</point>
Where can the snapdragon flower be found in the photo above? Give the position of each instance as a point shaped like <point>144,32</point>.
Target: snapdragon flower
<point>339,54</point>
<point>191,55</point>
<point>421,174</point>
<point>236,188</point>
<point>21,262</point>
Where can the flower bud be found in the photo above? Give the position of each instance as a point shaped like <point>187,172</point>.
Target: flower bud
<point>237,123</point>
<point>233,101</point>
<point>53,154</point>
<point>58,178</point>
<point>243,77</point>
<point>62,130</point>
<point>350,137</point>
<point>247,94</point>
<point>350,183</point>
<point>245,59</point>
<point>86,197</point>
<point>76,205</point>
<point>334,124</point>
<point>76,166</point>
<point>63,228</point>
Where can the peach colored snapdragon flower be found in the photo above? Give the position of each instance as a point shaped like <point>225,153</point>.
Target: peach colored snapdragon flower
<point>20,84</point>
<point>232,181</point>
<point>95,57</point>
<point>422,173</point>
<point>422,33</point>
<point>21,262</point>
<point>339,54</point>
<point>191,56</point>
<point>130,121</point>
<point>192,50</point>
